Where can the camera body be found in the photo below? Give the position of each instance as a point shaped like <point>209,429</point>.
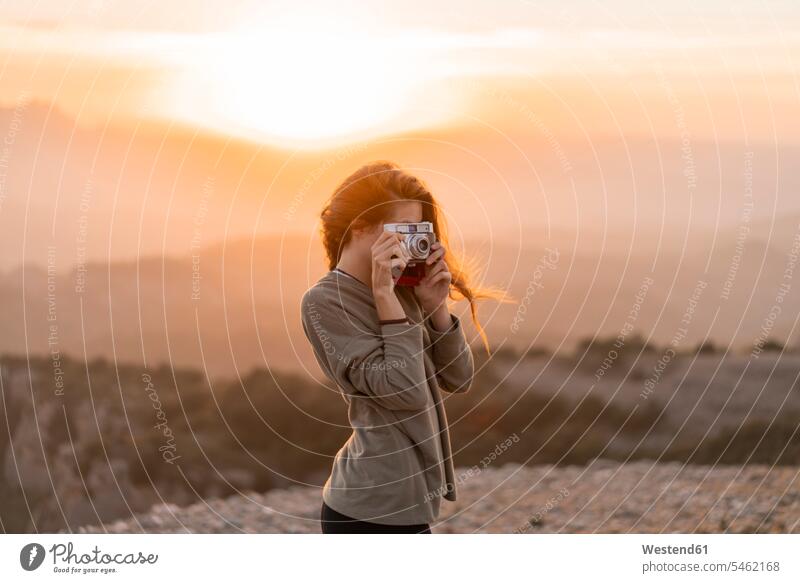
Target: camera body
<point>418,240</point>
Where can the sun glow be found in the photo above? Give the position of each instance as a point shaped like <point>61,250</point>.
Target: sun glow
<point>306,82</point>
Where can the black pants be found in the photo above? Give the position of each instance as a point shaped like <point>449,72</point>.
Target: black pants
<point>335,523</point>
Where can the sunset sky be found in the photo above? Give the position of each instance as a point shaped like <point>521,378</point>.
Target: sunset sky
<point>316,74</point>
<point>625,120</point>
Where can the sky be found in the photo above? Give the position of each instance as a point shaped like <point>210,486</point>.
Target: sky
<point>637,122</point>
<point>318,74</point>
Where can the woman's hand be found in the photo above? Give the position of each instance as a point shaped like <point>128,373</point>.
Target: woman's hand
<point>388,255</point>
<point>434,288</point>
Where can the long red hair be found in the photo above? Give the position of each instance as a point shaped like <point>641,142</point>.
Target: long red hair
<point>361,201</point>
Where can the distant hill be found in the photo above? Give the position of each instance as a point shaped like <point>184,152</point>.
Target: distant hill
<point>231,307</point>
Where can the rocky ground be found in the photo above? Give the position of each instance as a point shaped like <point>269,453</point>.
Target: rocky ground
<point>603,497</point>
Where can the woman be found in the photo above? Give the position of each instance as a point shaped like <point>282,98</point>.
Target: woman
<point>389,349</point>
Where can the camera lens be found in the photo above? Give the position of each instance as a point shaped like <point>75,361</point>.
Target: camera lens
<point>418,246</point>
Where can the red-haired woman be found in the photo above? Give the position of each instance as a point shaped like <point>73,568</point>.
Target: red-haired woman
<point>390,349</point>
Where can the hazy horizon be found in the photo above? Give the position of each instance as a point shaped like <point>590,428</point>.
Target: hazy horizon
<point>160,147</point>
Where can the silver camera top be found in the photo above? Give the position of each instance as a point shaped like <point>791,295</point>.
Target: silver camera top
<point>418,238</point>
<point>408,228</point>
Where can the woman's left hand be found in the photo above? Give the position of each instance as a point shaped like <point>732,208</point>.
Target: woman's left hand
<point>434,288</point>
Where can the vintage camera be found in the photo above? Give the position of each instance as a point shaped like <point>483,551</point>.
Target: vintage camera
<point>418,240</point>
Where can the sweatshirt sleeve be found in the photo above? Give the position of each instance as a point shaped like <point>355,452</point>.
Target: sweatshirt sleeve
<point>452,357</point>
<point>387,367</point>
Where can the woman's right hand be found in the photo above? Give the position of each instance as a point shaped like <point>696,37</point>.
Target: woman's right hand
<point>388,256</point>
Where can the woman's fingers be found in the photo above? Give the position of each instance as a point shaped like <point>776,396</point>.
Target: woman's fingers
<point>387,254</point>
<point>440,277</point>
<point>393,255</point>
<point>392,251</point>
<point>397,264</point>
<point>436,274</point>
<point>386,240</point>
<point>437,252</point>
<point>391,246</point>
<point>436,268</point>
